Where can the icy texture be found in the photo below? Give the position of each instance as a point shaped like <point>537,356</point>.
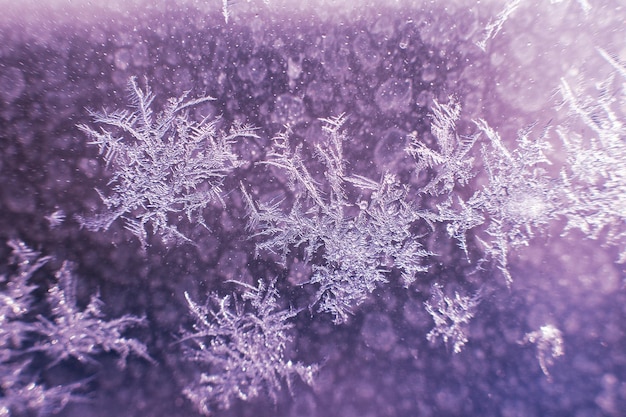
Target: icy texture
<point>16,297</point>
<point>519,197</point>
<point>451,162</point>
<point>72,333</point>
<point>22,391</point>
<point>342,229</point>
<point>56,218</point>
<point>495,25</point>
<point>595,177</point>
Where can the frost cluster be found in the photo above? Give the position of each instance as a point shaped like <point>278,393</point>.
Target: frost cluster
<point>490,194</point>
<point>351,244</point>
<point>163,165</point>
<point>451,317</point>
<point>240,344</point>
<point>63,333</point>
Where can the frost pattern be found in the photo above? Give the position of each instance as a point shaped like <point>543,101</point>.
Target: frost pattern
<point>351,245</point>
<point>16,297</point>
<point>451,316</point>
<point>22,393</point>
<point>549,342</point>
<point>163,165</point>
<point>518,197</point>
<point>68,333</point>
<point>25,397</point>
<point>242,340</point>
<point>55,219</point>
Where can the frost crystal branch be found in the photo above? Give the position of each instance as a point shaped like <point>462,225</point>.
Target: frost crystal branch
<point>451,163</point>
<point>70,333</point>
<point>451,316</point>
<point>55,219</point>
<point>22,396</point>
<point>82,334</point>
<point>16,298</point>
<point>495,25</point>
<point>351,245</point>
<point>242,342</point>
<point>163,165</point>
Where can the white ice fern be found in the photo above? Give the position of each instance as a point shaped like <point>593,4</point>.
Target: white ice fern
<point>351,244</point>
<point>517,197</point>
<point>240,343</point>
<point>163,165</point>
<point>451,161</point>
<point>22,392</point>
<point>81,334</point>
<point>67,333</point>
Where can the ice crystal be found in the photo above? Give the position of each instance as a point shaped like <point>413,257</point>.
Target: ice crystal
<point>518,198</point>
<point>451,316</point>
<point>55,219</point>
<point>351,245</point>
<point>549,342</point>
<point>452,163</point>
<point>495,25</point>
<point>71,332</point>
<point>22,396</point>
<point>163,165</point>
<point>240,341</point>
<point>16,297</point>
<point>68,333</point>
